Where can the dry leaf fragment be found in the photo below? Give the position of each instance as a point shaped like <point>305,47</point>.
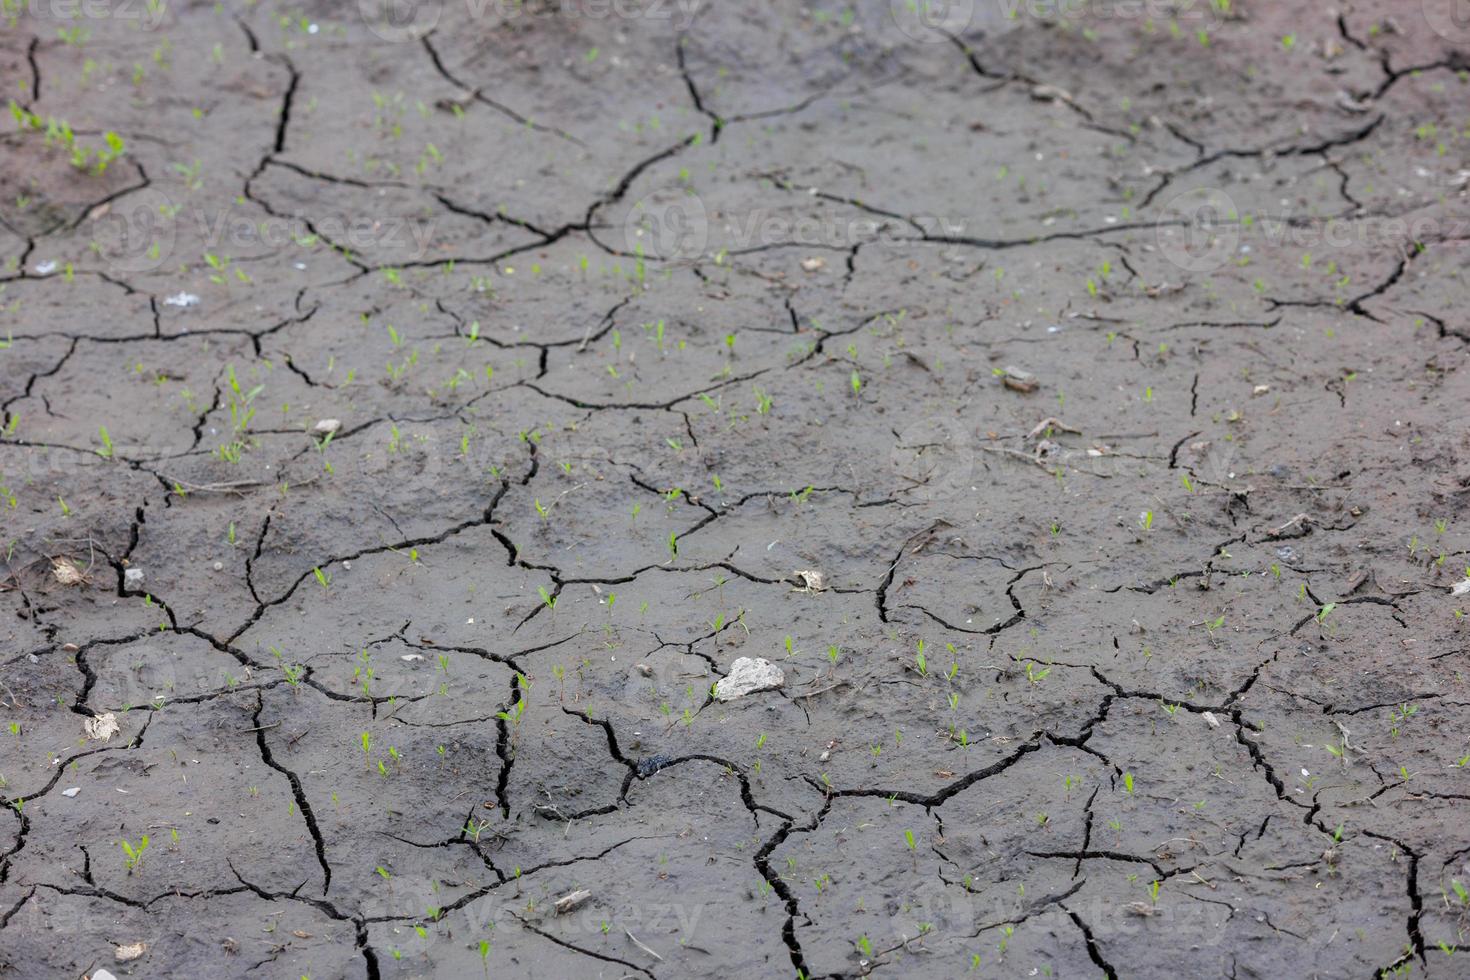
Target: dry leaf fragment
<point>65,571</point>
<point>101,728</point>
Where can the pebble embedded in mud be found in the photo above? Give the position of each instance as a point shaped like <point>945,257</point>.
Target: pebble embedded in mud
<point>1020,380</point>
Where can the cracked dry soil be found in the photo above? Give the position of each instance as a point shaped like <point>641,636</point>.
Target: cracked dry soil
<point>1155,669</point>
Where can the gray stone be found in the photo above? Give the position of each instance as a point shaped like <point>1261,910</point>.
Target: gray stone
<point>748,675</point>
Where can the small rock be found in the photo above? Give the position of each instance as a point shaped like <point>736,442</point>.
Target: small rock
<point>129,951</point>
<point>747,676</point>
<point>1019,380</point>
<point>101,727</point>
<point>327,426</point>
<point>571,900</point>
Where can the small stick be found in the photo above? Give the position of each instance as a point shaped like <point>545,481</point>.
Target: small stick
<point>641,946</point>
<point>1051,423</point>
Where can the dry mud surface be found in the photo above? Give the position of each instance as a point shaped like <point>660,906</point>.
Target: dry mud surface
<point>1074,408</point>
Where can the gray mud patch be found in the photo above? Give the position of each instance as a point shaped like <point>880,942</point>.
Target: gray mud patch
<point>407,421</point>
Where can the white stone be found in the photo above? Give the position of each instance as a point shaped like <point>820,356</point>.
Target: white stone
<point>748,675</point>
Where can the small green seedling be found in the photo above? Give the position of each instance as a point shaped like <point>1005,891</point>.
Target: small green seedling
<point>133,855</point>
